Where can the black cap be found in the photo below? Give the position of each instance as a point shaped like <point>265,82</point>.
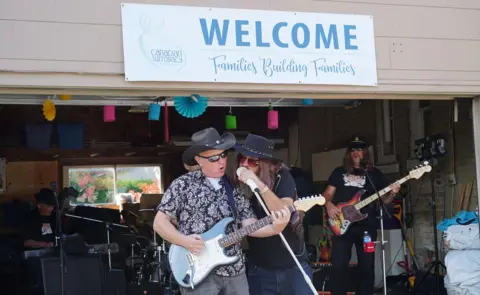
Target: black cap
<point>46,196</point>
<point>356,143</point>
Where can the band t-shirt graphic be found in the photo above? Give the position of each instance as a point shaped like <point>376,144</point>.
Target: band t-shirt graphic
<point>46,229</point>
<point>357,181</point>
<point>347,185</point>
<point>39,228</point>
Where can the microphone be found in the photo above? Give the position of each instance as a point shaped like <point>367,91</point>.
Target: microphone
<point>248,182</point>
<point>364,163</point>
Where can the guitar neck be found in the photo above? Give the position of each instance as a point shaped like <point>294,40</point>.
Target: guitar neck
<point>238,235</point>
<point>382,192</point>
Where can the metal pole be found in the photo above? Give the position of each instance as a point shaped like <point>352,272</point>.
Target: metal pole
<point>476,142</point>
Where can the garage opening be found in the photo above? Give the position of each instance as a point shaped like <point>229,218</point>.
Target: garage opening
<point>119,155</point>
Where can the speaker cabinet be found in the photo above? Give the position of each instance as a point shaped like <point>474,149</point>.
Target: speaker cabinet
<point>82,275</point>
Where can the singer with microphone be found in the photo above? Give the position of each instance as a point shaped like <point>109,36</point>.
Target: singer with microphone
<point>344,182</point>
<point>196,201</point>
<point>268,258</point>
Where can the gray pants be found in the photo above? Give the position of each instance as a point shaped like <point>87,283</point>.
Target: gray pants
<point>218,285</point>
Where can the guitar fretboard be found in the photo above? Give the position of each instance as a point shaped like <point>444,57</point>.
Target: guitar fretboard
<point>238,235</point>
<point>382,192</point>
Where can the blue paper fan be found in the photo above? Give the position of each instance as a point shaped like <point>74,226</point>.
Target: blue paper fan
<point>188,107</point>
<point>308,101</point>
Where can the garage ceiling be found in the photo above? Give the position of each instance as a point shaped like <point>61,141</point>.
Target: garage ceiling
<point>143,102</point>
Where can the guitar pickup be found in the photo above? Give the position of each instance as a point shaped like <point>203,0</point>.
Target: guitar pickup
<point>189,258</point>
<point>186,279</point>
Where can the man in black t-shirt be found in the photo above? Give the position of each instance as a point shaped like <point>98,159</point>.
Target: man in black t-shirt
<point>344,182</point>
<point>39,229</point>
<point>271,268</point>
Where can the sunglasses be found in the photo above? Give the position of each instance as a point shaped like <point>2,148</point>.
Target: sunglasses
<point>215,158</point>
<point>250,162</point>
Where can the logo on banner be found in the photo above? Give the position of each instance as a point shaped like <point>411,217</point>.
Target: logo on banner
<point>156,47</point>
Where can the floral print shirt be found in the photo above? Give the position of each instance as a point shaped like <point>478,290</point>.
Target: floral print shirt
<point>197,206</point>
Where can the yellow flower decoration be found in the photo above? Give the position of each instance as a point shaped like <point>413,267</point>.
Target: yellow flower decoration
<point>49,110</point>
<point>64,96</point>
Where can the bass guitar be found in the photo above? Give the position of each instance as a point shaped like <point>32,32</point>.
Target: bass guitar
<point>189,270</point>
<point>350,210</point>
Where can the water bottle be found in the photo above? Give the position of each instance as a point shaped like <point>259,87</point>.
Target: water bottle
<point>367,241</point>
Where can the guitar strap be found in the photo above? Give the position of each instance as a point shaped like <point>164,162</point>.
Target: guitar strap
<point>231,200</point>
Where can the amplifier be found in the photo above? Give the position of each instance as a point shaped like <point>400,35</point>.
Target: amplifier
<point>322,272</point>
<point>84,275</point>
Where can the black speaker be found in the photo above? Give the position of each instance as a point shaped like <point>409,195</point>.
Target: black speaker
<point>322,276</point>
<point>115,282</point>
<point>83,274</point>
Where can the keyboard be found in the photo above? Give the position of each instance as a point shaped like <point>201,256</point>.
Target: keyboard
<point>38,252</point>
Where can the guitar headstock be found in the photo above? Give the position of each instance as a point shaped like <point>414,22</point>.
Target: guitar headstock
<point>304,204</point>
<point>419,170</point>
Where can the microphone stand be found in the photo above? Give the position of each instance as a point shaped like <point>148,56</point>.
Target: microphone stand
<point>108,228</point>
<point>256,191</point>
<point>59,240</point>
<point>381,206</point>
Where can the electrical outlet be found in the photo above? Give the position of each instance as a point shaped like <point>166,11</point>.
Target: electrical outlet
<point>452,179</point>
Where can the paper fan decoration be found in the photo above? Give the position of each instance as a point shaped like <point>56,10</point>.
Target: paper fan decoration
<point>49,111</point>
<point>308,101</point>
<point>190,106</point>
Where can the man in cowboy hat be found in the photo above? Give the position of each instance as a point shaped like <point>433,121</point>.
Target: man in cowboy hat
<point>199,199</point>
<point>268,258</point>
<point>344,182</point>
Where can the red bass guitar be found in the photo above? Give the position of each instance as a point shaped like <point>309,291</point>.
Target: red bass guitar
<point>350,211</point>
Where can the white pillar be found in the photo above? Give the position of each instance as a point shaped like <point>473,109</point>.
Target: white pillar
<point>476,142</point>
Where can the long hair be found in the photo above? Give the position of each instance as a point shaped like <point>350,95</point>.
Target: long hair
<point>348,162</point>
<point>267,173</point>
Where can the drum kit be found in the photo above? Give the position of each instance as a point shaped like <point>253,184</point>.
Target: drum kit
<point>147,262</point>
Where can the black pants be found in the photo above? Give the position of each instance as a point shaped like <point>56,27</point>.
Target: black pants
<point>341,255</point>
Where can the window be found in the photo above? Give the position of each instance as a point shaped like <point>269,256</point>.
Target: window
<point>100,185</point>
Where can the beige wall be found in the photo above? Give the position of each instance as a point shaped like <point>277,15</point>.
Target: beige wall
<point>423,47</point>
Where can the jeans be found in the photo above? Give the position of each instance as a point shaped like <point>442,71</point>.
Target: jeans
<point>288,281</point>
<point>341,255</point>
<point>218,285</point>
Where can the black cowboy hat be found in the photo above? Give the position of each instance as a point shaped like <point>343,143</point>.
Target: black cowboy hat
<point>356,143</point>
<point>205,140</point>
<point>46,196</point>
<point>256,146</point>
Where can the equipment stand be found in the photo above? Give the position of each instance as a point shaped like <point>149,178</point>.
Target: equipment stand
<point>156,271</point>
<point>59,240</point>
<point>437,263</point>
<point>305,276</point>
<point>108,228</point>
<point>381,206</point>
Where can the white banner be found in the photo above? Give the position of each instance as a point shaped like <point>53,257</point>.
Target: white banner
<point>201,44</point>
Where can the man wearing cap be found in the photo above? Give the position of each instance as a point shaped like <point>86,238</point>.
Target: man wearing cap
<point>344,182</point>
<point>39,231</point>
<point>199,199</point>
<point>271,268</point>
